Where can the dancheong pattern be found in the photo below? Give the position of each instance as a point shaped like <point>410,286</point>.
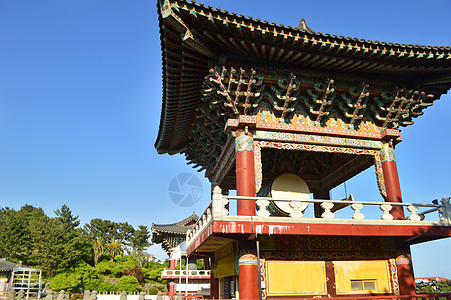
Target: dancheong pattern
<point>315,148</point>
<point>243,143</point>
<point>394,276</point>
<point>387,154</point>
<point>316,139</point>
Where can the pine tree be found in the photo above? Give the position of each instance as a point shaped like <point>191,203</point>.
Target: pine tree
<point>140,238</point>
<point>57,242</point>
<point>14,236</point>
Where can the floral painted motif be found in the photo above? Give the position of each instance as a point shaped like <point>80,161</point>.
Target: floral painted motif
<point>244,142</point>
<point>387,154</point>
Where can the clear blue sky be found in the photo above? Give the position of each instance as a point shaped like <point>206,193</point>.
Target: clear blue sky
<point>80,101</point>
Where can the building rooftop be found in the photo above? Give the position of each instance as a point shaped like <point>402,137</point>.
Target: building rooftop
<point>199,42</point>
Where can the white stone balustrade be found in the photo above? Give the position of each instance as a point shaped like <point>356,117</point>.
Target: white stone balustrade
<point>357,207</point>
<point>219,209</point>
<point>386,209</point>
<point>175,273</point>
<point>445,211</point>
<point>297,206</point>
<point>413,213</point>
<point>327,214</point>
<point>262,208</point>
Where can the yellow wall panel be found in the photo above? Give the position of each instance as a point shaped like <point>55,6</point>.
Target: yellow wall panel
<point>296,278</point>
<point>224,267</point>
<point>377,270</point>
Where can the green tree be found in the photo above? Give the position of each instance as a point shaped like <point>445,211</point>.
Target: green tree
<point>98,249</point>
<point>14,235</point>
<point>433,286</point>
<point>106,230</point>
<point>140,239</point>
<point>125,233</point>
<point>114,249</point>
<point>57,242</point>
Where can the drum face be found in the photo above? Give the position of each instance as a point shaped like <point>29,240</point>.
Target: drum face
<point>289,186</point>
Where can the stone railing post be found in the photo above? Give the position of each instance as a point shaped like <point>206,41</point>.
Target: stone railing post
<point>219,203</point>
<point>11,294</point>
<point>445,211</point>
<point>159,295</point>
<point>413,213</point>
<point>262,205</point>
<point>386,209</point>
<point>296,212</point>
<point>357,207</point>
<point>61,295</point>
<point>123,296</point>
<point>327,214</point>
<point>86,295</point>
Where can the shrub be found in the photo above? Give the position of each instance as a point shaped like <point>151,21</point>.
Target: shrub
<point>136,272</point>
<point>128,284</point>
<point>70,282</point>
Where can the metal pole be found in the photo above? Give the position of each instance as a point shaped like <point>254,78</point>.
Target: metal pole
<point>258,269</point>
<point>180,277</point>
<point>186,281</point>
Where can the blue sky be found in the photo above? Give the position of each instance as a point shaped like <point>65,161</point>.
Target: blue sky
<point>80,101</point>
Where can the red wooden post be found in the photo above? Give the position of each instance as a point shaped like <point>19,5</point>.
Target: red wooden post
<point>391,181</point>
<point>405,275</point>
<point>248,276</point>
<point>171,289</point>
<point>245,173</point>
<point>171,283</point>
<point>214,288</point>
<point>172,264</point>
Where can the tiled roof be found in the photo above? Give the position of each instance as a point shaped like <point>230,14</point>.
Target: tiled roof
<point>175,228</point>
<point>195,38</point>
<point>438,278</point>
<point>7,265</point>
<point>170,235</point>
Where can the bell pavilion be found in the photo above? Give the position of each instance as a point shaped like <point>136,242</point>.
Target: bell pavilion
<point>282,115</point>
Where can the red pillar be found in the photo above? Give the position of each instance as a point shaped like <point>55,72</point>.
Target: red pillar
<point>171,283</point>
<point>171,288</point>
<point>406,278</point>
<point>172,264</point>
<point>391,181</point>
<point>214,288</point>
<point>245,173</point>
<point>248,276</point>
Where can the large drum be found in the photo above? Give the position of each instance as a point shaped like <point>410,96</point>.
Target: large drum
<point>285,186</point>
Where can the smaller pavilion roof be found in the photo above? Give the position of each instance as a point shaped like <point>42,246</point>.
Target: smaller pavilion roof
<point>180,227</point>
<point>170,235</point>
<point>7,265</point>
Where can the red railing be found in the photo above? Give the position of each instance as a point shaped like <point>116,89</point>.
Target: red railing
<point>435,296</point>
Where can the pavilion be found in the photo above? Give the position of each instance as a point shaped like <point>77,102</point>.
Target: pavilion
<point>283,113</point>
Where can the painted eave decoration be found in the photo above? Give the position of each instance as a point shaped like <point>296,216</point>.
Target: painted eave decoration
<point>219,65</point>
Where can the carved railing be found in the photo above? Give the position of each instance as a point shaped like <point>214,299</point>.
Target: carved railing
<point>219,209</point>
<point>183,273</point>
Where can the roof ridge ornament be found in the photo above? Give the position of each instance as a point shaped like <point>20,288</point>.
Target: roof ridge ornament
<point>303,26</point>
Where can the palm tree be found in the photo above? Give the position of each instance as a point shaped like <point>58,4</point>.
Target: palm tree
<point>98,249</point>
<point>115,248</point>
